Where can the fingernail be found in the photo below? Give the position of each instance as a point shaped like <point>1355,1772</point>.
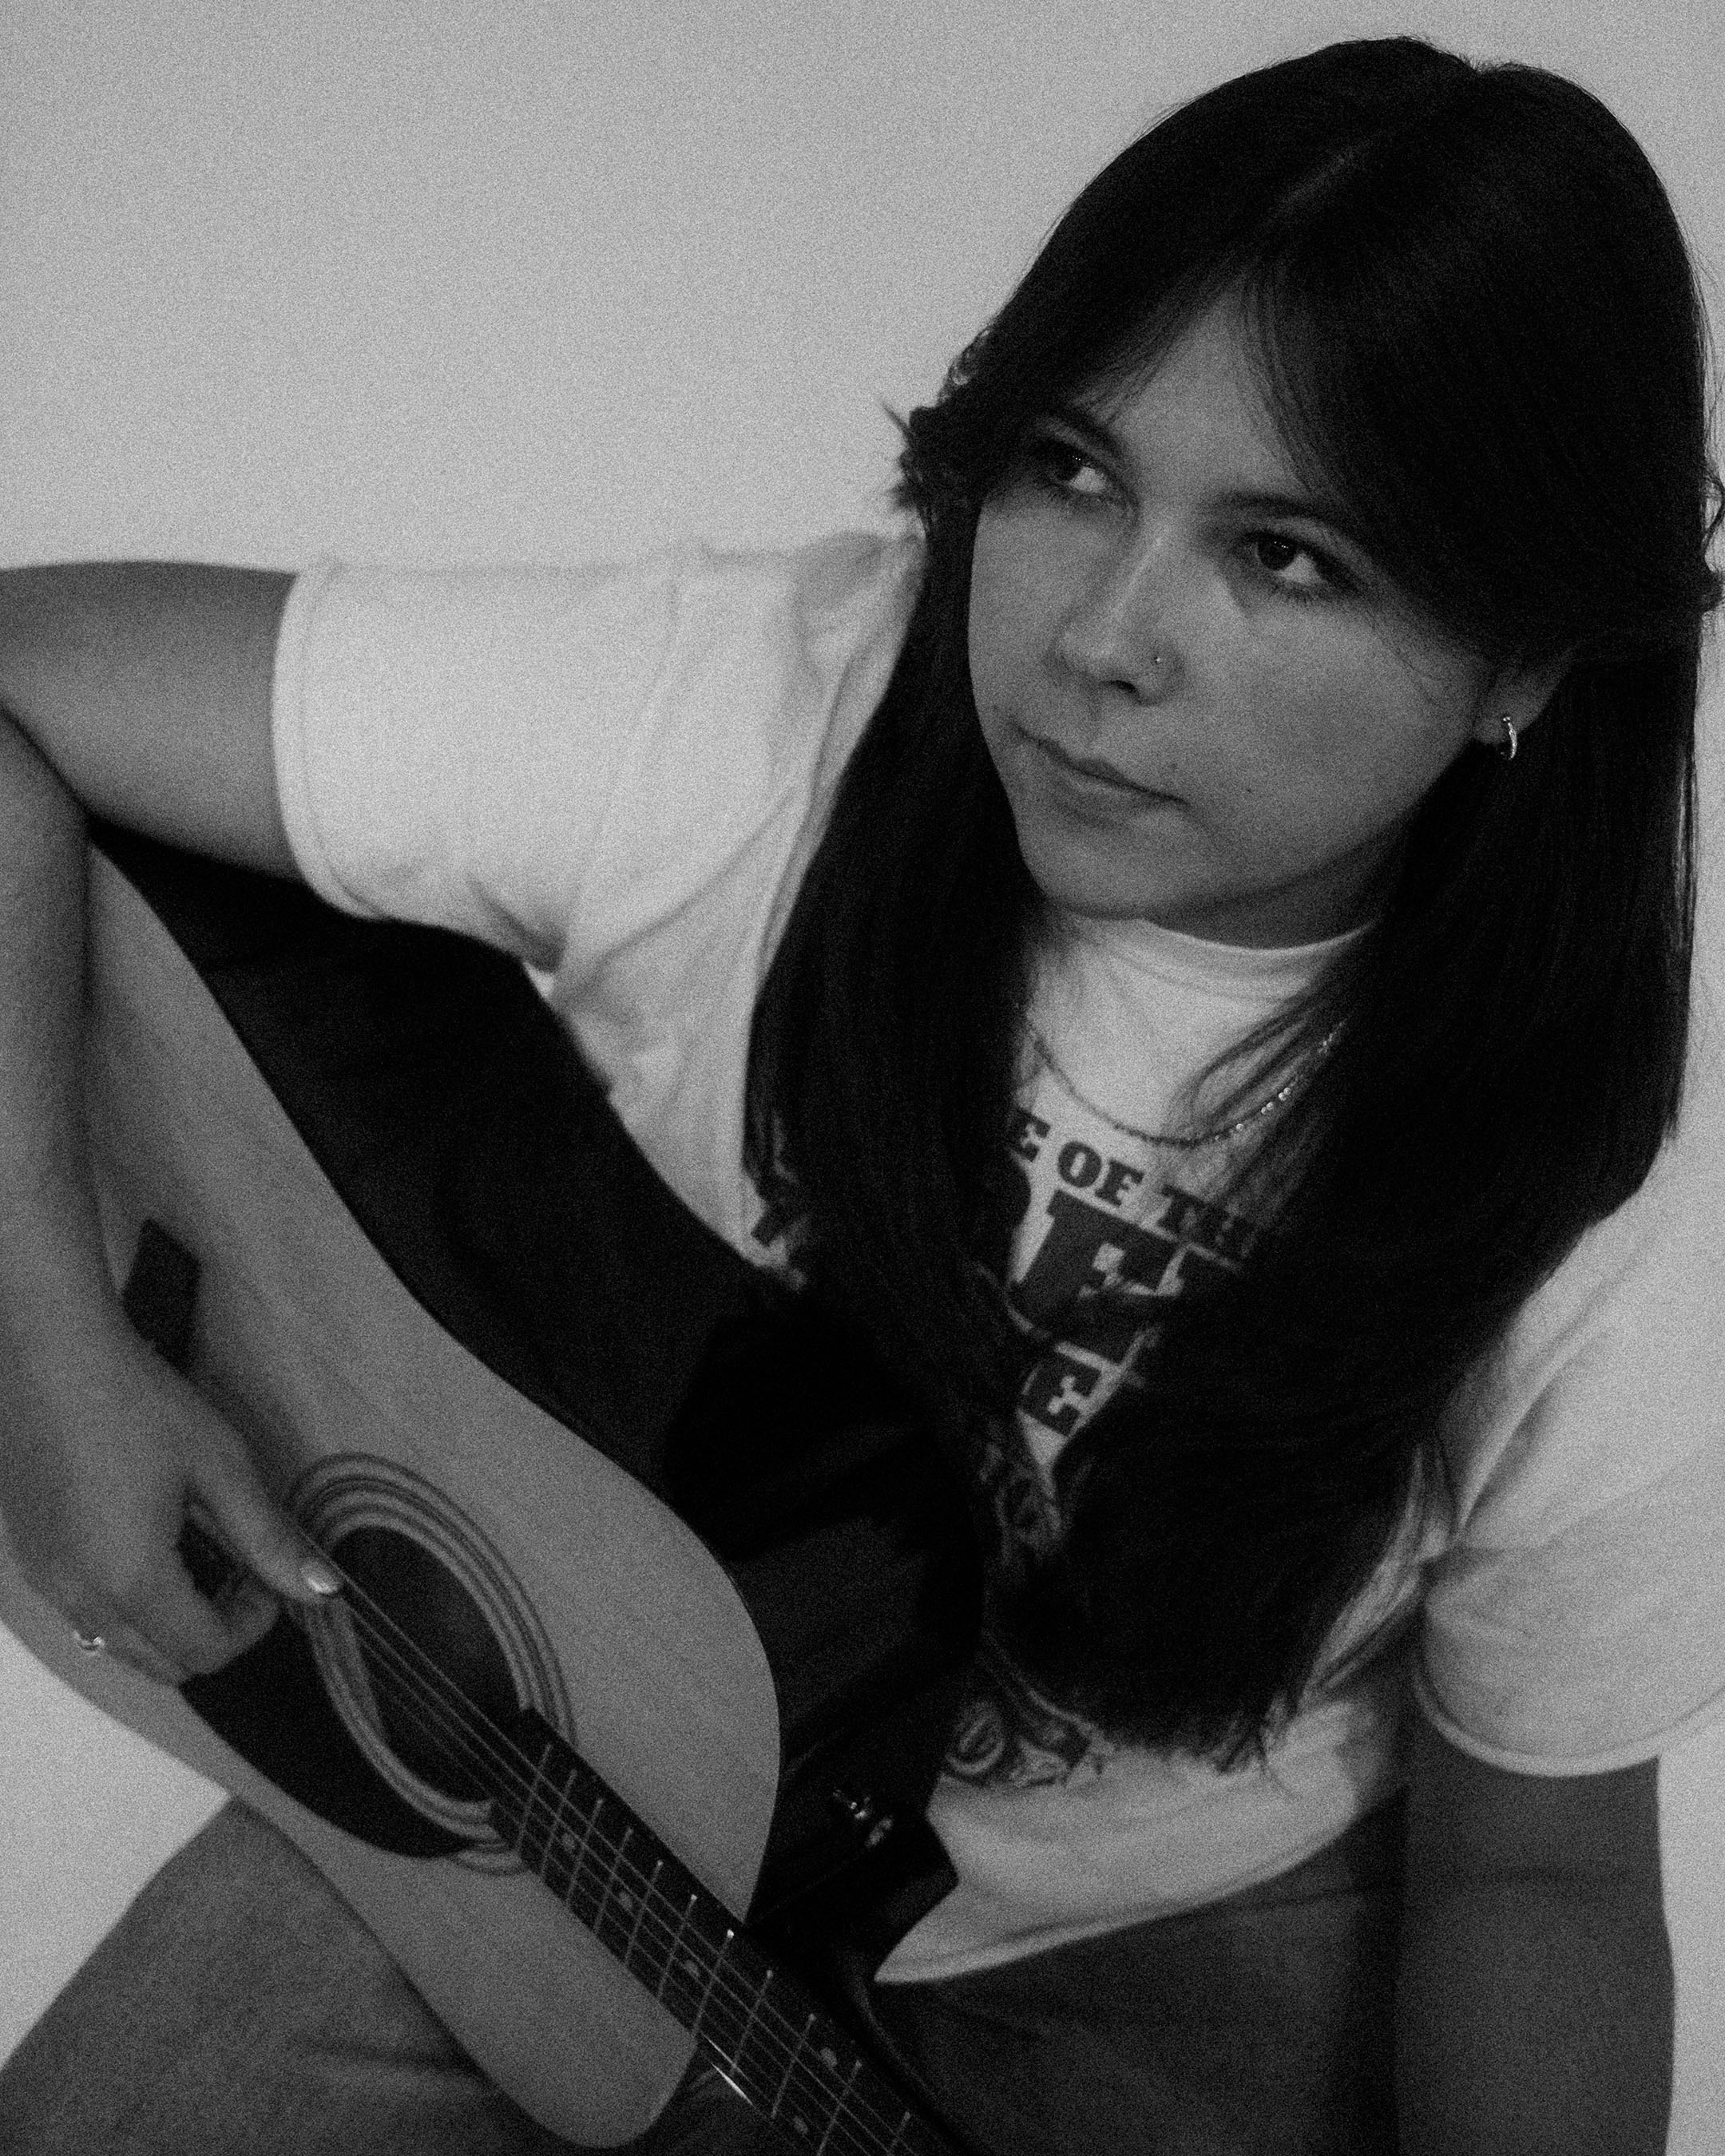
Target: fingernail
<point>318,1577</point>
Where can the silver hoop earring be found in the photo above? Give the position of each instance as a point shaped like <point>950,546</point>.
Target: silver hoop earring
<point>1512,741</point>
<point>1156,659</point>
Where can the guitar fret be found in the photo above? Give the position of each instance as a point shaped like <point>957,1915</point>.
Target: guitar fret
<point>619,1901</point>
<point>685,1987</point>
<point>673,1946</point>
<point>727,2014</point>
<point>827,2076</point>
<point>563,1853</point>
<point>866,2103</point>
<point>753,2067</point>
<point>790,2066</point>
<point>796,2113</point>
<point>585,1893</point>
<point>681,1962</point>
<point>712,1994</point>
<point>644,1956</point>
<point>839,2101</point>
<point>534,1858</point>
<point>706,1940</point>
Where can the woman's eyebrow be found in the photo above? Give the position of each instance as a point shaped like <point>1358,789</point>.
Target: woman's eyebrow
<point>1095,434</point>
<point>1309,509</point>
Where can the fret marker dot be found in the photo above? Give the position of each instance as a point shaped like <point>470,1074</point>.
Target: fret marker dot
<point>801,2125</point>
<point>829,2057</point>
<point>625,1901</point>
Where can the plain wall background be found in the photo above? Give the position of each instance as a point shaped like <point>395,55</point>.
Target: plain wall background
<point>435,280</point>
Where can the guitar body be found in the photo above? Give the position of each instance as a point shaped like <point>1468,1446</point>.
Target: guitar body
<point>511,1557</point>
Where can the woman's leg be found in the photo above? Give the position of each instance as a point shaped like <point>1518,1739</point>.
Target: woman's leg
<point>239,2005</point>
<point>1260,2026</point>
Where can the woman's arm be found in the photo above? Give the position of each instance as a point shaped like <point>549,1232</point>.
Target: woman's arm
<point>142,694</point>
<point>1534,2001</point>
<point>147,687</point>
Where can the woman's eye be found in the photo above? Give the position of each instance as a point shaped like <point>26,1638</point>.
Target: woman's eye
<point>1293,566</point>
<point>1067,468</point>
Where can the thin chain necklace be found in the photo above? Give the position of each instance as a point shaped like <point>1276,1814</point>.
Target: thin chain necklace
<point>1300,1072</point>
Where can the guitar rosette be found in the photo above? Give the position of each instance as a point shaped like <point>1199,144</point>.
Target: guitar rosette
<point>431,1650</point>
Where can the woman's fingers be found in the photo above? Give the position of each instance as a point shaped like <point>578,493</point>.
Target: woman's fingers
<point>108,1466</point>
<point>228,1491</point>
<point>223,1493</point>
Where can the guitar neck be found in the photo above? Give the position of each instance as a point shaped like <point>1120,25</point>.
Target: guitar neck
<point>763,2031</point>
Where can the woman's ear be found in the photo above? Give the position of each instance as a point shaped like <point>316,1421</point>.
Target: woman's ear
<point>1518,694</point>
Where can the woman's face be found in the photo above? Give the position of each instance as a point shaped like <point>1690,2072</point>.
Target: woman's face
<point>1156,597</point>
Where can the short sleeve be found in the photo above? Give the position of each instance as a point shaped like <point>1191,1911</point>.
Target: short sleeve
<point>1600,1647</point>
<point>530,754</point>
<point>1575,1621</point>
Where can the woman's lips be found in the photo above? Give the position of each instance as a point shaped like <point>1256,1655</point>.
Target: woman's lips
<point>1083,772</point>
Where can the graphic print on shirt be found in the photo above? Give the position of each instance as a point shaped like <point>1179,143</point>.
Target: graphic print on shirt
<point>1103,1237</point>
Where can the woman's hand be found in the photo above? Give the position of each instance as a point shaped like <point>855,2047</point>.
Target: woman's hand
<point>105,1454</point>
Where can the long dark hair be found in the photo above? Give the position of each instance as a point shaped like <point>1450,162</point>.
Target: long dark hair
<point>1476,322</point>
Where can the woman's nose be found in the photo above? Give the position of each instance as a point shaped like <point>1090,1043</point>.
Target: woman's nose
<point>1121,631</point>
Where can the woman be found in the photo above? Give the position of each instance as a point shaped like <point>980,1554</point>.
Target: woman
<point>1193,955</point>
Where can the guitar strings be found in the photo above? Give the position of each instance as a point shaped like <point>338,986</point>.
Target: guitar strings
<point>459,1726</point>
<point>651,1898</point>
<point>535,1810</point>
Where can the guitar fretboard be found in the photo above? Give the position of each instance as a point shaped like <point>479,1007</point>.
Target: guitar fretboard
<point>775,2045</point>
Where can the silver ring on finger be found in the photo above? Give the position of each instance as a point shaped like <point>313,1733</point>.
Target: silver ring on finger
<point>90,1643</point>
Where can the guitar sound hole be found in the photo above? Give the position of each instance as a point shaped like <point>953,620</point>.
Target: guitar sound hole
<point>438,1680</point>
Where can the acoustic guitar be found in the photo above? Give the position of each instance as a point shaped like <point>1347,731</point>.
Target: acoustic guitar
<point>627,1704</point>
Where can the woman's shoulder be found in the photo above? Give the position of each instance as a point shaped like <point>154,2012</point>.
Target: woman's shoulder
<point>849,575</point>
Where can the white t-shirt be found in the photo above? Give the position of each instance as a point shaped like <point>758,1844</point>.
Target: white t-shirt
<point>619,776</point>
